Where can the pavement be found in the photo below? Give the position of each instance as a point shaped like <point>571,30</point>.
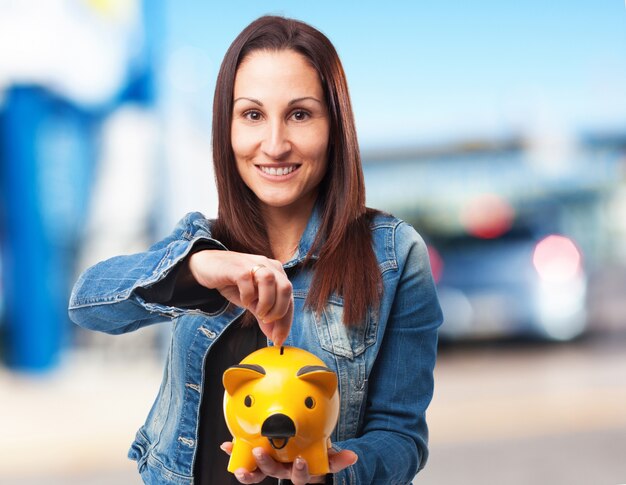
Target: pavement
<point>75,424</point>
<point>520,414</point>
<point>502,414</point>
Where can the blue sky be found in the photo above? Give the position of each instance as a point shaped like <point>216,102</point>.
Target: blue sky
<point>424,72</point>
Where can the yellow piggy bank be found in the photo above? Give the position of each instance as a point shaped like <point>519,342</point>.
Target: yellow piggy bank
<point>284,400</point>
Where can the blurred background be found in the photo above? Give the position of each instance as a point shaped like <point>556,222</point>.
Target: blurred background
<point>498,129</point>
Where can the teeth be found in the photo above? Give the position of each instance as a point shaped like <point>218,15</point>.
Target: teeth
<point>278,171</point>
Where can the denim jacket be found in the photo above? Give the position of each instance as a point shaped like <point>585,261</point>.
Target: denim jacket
<point>385,366</point>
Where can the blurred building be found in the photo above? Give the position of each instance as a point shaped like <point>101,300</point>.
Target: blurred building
<point>517,229</point>
<point>66,69</point>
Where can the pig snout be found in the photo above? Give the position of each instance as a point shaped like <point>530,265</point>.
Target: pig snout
<point>278,428</point>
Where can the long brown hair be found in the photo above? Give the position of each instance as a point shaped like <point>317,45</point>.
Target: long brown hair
<point>346,264</point>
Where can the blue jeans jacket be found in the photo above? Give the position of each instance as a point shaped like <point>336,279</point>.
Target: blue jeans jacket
<point>385,366</point>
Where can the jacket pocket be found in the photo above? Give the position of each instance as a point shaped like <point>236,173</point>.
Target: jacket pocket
<point>342,340</point>
<point>139,450</point>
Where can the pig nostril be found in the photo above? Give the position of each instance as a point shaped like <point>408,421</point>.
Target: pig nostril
<point>278,426</point>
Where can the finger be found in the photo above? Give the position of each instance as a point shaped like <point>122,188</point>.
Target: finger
<point>300,472</point>
<point>267,329</point>
<point>227,447</point>
<point>265,280</point>
<point>268,465</point>
<point>284,292</point>
<point>277,265</point>
<point>244,476</point>
<point>281,327</point>
<point>247,291</point>
<point>337,461</point>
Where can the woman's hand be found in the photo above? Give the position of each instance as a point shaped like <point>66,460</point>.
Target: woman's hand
<point>297,472</point>
<point>256,283</point>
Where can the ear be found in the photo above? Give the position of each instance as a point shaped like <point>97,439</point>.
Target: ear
<point>322,377</point>
<point>237,375</point>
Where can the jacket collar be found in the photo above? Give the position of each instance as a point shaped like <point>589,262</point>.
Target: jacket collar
<point>308,237</point>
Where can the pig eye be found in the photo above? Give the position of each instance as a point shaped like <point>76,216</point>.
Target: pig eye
<point>248,401</point>
<point>309,402</point>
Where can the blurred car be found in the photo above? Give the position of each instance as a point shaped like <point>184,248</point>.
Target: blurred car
<point>507,279</point>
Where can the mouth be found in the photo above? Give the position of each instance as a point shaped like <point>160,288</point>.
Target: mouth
<point>278,443</point>
<point>280,171</point>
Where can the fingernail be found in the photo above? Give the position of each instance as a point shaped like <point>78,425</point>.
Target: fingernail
<point>299,463</point>
<point>239,475</point>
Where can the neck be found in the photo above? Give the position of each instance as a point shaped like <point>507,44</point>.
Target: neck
<point>285,227</point>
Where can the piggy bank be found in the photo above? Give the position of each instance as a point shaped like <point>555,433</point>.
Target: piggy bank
<point>284,400</point>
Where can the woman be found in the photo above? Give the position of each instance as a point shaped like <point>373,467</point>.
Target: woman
<point>294,257</point>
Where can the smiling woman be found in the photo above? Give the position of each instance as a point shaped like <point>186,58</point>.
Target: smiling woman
<point>294,257</point>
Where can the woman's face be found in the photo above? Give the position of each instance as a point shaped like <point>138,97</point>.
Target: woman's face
<point>280,128</point>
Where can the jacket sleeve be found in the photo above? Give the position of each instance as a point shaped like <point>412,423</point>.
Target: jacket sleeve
<point>128,292</point>
<point>393,445</point>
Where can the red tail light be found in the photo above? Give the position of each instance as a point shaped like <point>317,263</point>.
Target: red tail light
<point>487,216</point>
<point>436,263</point>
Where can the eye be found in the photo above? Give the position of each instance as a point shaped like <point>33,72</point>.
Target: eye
<point>248,401</point>
<point>309,402</point>
<point>300,115</point>
<point>252,115</point>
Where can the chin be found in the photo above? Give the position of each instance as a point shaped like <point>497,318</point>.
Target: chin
<point>276,199</point>
<point>286,199</point>
<point>277,203</point>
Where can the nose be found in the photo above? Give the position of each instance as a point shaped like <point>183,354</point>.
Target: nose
<point>276,144</point>
<point>278,426</point>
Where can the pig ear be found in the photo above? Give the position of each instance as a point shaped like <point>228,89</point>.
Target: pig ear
<point>321,376</point>
<point>237,375</point>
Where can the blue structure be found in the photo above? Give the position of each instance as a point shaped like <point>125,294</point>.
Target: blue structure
<point>46,159</point>
<point>48,151</point>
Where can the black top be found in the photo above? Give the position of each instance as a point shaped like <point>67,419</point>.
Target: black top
<point>235,343</point>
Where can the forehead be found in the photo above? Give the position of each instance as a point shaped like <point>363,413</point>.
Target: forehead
<point>277,72</point>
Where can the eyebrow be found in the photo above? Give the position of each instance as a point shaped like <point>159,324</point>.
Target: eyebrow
<point>297,100</point>
<point>292,102</point>
<point>255,101</point>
